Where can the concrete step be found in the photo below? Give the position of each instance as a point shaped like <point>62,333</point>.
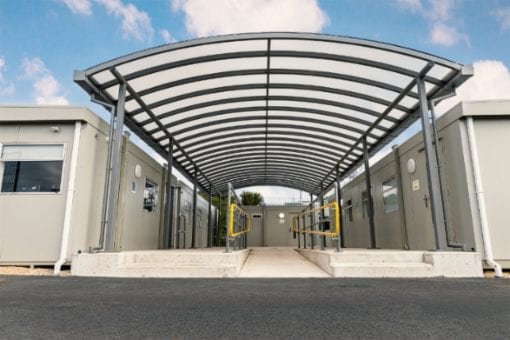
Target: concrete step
<point>382,269</point>
<point>379,256</point>
<point>395,263</point>
<point>176,258</point>
<point>160,263</point>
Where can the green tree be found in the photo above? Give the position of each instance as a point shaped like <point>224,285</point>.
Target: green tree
<point>251,198</point>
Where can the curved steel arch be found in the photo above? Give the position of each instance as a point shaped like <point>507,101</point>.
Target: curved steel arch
<point>245,135</point>
<point>396,70</point>
<point>236,146</point>
<point>260,158</point>
<point>269,153</point>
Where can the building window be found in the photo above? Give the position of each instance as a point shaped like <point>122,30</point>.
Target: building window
<point>32,168</point>
<point>150,196</point>
<point>390,198</point>
<point>364,203</point>
<point>348,210</point>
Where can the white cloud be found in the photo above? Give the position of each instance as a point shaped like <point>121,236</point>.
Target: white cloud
<point>491,80</point>
<point>46,87</point>
<point>167,37</point>
<point>440,16</point>
<point>206,17</point>
<point>503,16</point>
<point>135,23</point>
<point>412,5</point>
<point>446,35</point>
<point>79,6</point>
<point>5,89</point>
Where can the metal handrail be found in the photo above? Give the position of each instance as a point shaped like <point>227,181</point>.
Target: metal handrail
<point>232,223</point>
<point>307,229</point>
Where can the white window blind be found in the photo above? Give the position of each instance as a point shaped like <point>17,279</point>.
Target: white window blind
<point>32,152</point>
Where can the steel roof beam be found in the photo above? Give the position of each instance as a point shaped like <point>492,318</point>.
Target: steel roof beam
<point>200,145</point>
<point>422,73</point>
<point>150,113</point>
<point>262,86</point>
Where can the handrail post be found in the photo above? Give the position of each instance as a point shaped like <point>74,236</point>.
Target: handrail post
<point>321,218</point>
<point>338,216</point>
<point>296,221</point>
<point>312,227</point>
<point>304,231</point>
<point>227,220</point>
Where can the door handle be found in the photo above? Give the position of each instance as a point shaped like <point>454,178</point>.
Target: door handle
<point>426,199</point>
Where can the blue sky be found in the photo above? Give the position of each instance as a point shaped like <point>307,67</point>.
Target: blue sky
<point>43,41</point>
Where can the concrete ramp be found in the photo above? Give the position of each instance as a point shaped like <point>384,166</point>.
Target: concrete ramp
<point>279,262</point>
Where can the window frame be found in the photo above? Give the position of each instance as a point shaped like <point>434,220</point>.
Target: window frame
<point>349,211</point>
<point>397,193</point>
<point>155,206</point>
<point>62,176</point>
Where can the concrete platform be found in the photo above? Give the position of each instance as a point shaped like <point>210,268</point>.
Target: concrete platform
<point>177,263</point>
<point>373,263</point>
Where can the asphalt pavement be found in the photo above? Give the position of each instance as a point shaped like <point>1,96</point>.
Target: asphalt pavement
<point>76,308</point>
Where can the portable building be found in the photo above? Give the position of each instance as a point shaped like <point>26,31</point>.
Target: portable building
<point>472,136</point>
<point>53,169</point>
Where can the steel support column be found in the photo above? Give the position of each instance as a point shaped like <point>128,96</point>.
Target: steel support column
<point>432,170</point>
<point>194,218</point>
<point>209,220</point>
<point>218,219</point>
<point>168,230</point>
<point>113,196</point>
<point>369,194</point>
<point>338,198</point>
<point>227,213</point>
<point>312,227</point>
<point>323,237</point>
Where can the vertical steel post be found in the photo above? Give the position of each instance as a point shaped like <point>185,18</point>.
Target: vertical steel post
<point>312,227</point>
<point>227,218</point>
<point>209,219</point>
<point>369,194</point>
<point>107,185</point>
<point>339,239</point>
<point>218,212</point>
<point>298,233</point>
<point>169,207</point>
<point>304,231</point>
<point>321,226</point>
<point>432,171</point>
<point>339,200</point>
<point>194,218</point>
<point>116,169</point>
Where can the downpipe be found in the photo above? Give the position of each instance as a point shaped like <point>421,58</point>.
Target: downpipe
<point>480,197</point>
<point>66,230</point>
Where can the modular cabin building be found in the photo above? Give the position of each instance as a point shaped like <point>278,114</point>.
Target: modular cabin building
<point>472,136</point>
<point>53,169</point>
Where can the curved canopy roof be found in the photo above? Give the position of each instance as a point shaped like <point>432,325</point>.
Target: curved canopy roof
<point>270,108</point>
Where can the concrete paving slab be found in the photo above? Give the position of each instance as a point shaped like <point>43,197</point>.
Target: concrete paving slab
<point>279,262</point>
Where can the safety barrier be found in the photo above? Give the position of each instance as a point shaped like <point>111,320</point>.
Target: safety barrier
<point>301,227</point>
<point>237,214</point>
<point>238,224</point>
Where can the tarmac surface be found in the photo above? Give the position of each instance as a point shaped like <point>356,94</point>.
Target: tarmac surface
<point>72,307</point>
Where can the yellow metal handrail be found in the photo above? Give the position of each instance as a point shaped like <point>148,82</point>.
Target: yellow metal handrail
<point>231,233</point>
<point>334,206</point>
